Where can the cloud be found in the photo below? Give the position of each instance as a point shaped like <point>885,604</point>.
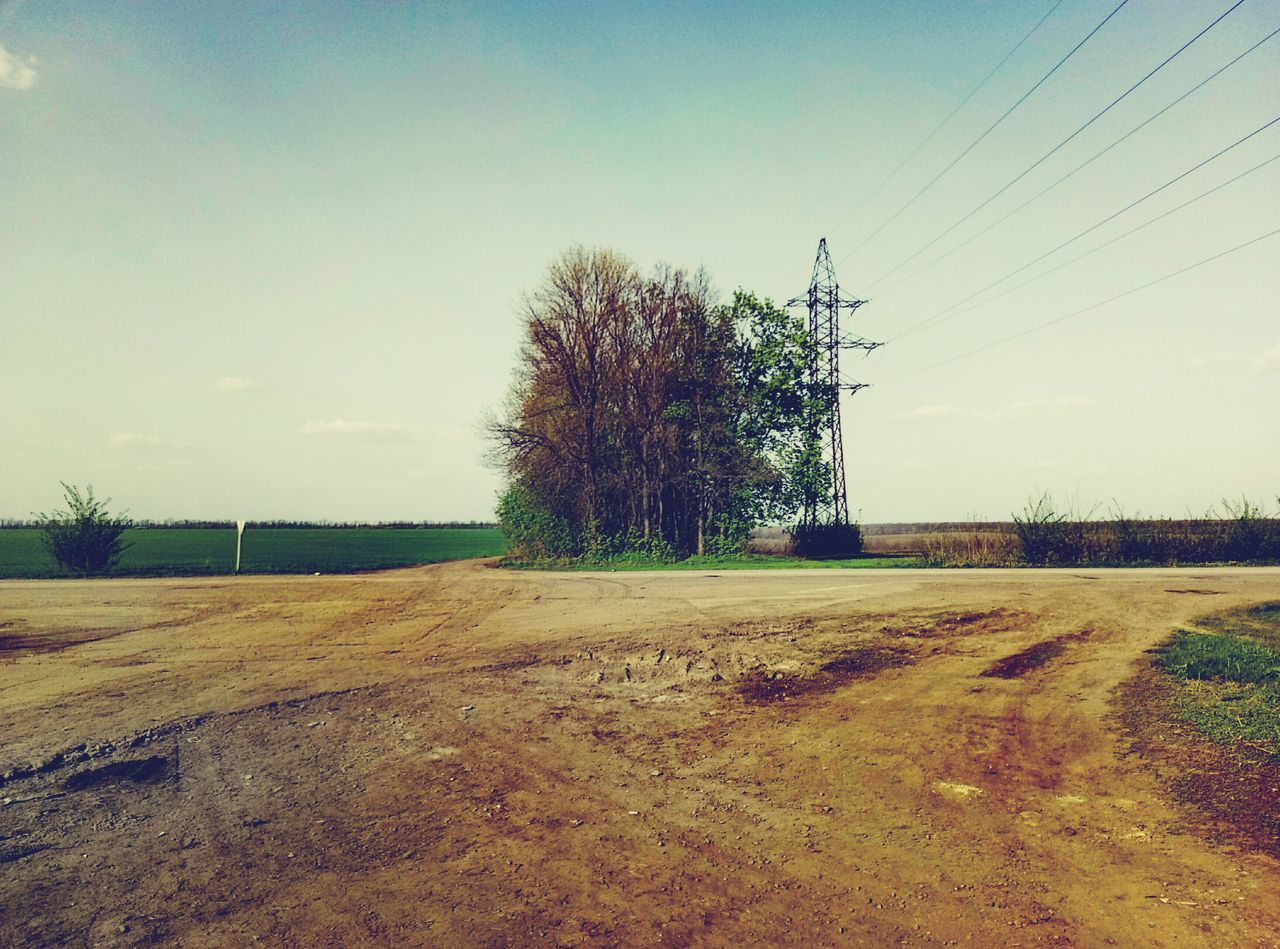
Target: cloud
<point>361,431</point>
<point>168,467</point>
<point>1066,467</point>
<point>17,72</point>
<point>1046,406</point>
<point>1032,407</point>
<point>235,384</point>
<point>1073,402</point>
<point>1202,360</point>
<point>1268,360</point>
<point>893,461</point>
<point>148,451</point>
<point>134,440</point>
<point>1036,407</point>
<point>934,411</point>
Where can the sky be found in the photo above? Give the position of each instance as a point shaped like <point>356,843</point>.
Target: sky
<point>266,261</point>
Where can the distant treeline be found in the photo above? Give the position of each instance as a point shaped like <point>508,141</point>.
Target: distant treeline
<point>933,527</point>
<point>172,524</point>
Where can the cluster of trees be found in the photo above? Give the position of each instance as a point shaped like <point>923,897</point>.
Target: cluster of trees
<point>647,417</point>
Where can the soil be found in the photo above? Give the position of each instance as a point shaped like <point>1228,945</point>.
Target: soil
<point>1234,790</point>
<point>1034,656</point>
<point>458,755</point>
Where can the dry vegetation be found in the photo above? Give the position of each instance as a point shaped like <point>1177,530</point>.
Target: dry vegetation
<point>1237,532</point>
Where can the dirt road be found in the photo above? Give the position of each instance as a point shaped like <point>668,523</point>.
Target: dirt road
<point>458,755</point>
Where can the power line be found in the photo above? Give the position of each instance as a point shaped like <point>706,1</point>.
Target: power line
<point>1082,310</point>
<point>1025,96</point>
<point>1119,237</point>
<point>1080,167</point>
<point>1133,204</point>
<point>1039,161</point>
<point>938,128</point>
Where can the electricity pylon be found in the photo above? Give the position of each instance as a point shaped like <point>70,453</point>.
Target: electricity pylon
<point>824,304</point>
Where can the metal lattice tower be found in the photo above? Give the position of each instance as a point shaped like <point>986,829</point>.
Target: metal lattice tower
<point>824,305</point>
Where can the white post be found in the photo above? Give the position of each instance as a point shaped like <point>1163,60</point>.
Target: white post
<point>239,536</point>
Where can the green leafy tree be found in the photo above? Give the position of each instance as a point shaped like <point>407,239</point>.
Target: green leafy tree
<point>84,539</point>
<point>782,412</point>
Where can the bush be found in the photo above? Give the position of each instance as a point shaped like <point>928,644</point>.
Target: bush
<point>1249,533</point>
<point>1135,541</point>
<point>533,530</point>
<point>84,539</point>
<point>606,549</point>
<point>827,541</point>
<point>1041,531</point>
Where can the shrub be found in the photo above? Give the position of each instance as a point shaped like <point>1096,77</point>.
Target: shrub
<point>1133,540</point>
<point>533,530</point>
<point>827,541</point>
<point>1249,534</point>
<point>1040,529</point>
<point>84,539</point>
<point>607,549</point>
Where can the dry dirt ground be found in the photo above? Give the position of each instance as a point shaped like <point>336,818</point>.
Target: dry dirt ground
<point>459,755</point>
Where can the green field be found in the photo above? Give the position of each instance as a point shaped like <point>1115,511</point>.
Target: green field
<point>189,551</point>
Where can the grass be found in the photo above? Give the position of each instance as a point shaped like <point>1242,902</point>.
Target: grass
<point>1228,714</point>
<point>742,562</point>
<point>1203,656</point>
<point>1229,679</point>
<point>197,551</point>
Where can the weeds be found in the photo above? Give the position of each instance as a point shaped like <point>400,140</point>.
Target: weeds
<point>1041,531</point>
<point>970,549</point>
<point>1042,534</point>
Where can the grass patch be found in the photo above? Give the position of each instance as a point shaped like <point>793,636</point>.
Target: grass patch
<point>1228,713</point>
<point>1260,623</point>
<point>159,551</point>
<point>1201,656</point>
<point>1229,679</point>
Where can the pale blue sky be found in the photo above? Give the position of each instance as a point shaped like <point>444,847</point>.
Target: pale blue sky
<point>265,260</point>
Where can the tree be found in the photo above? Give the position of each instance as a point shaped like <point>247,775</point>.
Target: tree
<point>646,418</point>
<point>782,411</point>
<point>84,539</point>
